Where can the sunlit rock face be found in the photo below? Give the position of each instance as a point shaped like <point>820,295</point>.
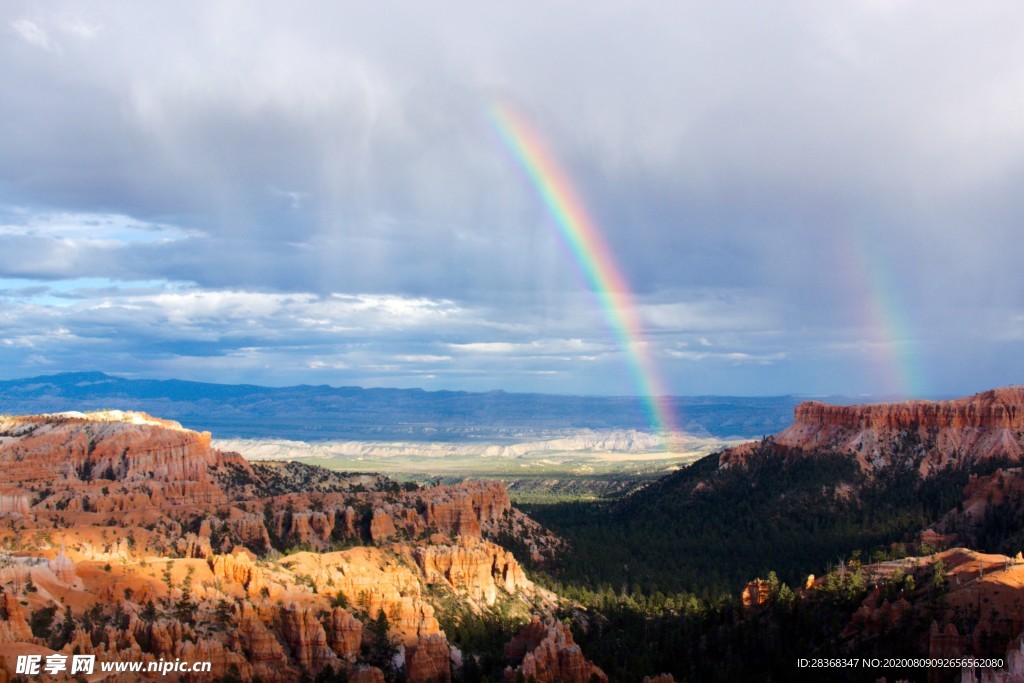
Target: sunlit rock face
<point>546,652</point>
<point>164,547</point>
<point>131,449</point>
<point>934,433</point>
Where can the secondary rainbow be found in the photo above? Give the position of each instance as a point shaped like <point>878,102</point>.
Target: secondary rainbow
<point>889,332</point>
<point>591,253</point>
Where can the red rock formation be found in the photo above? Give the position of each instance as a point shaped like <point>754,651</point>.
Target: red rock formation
<point>454,513</point>
<point>191,545</point>
<point>470,510</point>
<point>318,523</point>
<point>428,661</point>
<point>945,642</point>
<point>260,645</point>
<point>466,509</point>
<point>981,606</point>
<point>306,637</point>
<point>345,523</point>
<point>143,511</point>
<point>346,634</point>
<point>756,593</point>
<point>876,616</point>
<point>114,446</point>
<point>479,568</point>
<point>249,529</point>
<point>997,408</point>
<point>986,425</point>
<point>381,526</point>
<point>144,458</point>
<point>366,674</point>
<point>14,621</point>
<point>371,581</point>
<point>546,652</point>
<point>222,661</point>
<point>238,568</point>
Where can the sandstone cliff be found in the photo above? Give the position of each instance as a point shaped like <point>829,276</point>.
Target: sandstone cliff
<point>934,433</point>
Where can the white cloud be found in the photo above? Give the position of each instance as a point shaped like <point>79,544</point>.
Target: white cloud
<point>81,28</point>
<point>39,31</point>
<point>82,228</point>
<point>32,33</point>
<point>422,358</point>
<point>731,356</point>
<point>704,311</point>
<point>564,348</point>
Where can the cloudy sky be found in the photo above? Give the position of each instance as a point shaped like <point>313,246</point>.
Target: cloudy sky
<point>803,197</point>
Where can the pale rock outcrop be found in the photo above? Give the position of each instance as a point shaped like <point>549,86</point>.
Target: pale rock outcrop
<point>14,504</point>
<point>371,581</point>
<point>1012,671</point>
<point>63,568</point>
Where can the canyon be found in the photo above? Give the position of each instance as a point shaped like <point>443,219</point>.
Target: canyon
<point>132,538</point>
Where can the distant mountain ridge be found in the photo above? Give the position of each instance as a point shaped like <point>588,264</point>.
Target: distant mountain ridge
<point>323,412</point>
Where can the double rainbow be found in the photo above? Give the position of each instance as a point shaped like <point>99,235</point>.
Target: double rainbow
<point>593,256</point>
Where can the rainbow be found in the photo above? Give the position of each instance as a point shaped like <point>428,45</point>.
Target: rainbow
<point>593,256</point>
<point>890,334</point>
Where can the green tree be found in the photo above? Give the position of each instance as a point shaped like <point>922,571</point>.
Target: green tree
<point>62,636</point>
<point>223,612</point>
<point>379,646</point>
<point>42,619</point>
<point>149,613</point>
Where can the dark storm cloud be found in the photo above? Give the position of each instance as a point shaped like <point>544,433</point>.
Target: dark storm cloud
<point>802,195</point>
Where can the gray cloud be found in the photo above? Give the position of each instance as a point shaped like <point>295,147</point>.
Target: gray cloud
<point>803,197</point>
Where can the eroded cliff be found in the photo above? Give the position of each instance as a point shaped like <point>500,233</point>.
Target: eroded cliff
<point>129,537</point>
<point>934,434</point>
